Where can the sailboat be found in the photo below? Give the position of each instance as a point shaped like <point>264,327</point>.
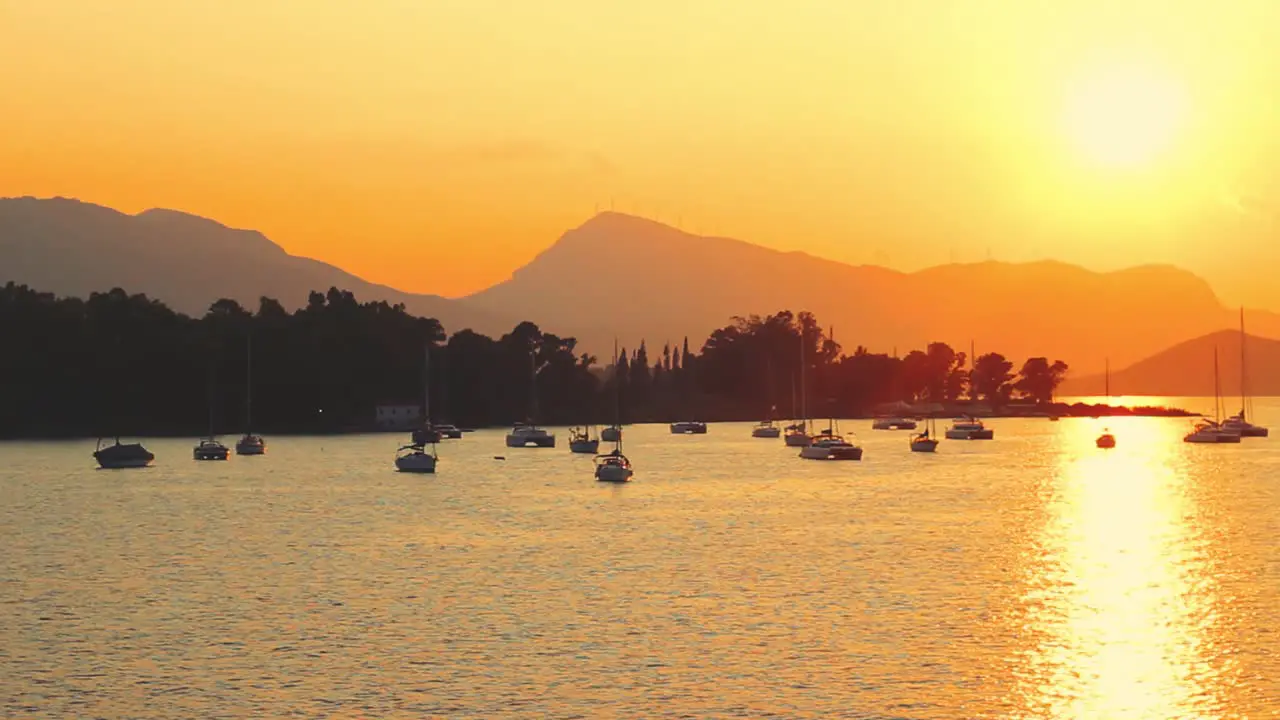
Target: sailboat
<point>528,434</point>
<point>209,448</point>
<point>926,441</point>
<point>830,445</point>
<point>414,456</point>
<point>1106,440</point>
<point>613,433</point>
<point>1212,431</point>
<point>1238,422</point>
<point>614,466</point>
<point>122,455</point>
<point>768,428</point>
<point>250,444</point>
<point>580,440</point>
<point>798,432</point>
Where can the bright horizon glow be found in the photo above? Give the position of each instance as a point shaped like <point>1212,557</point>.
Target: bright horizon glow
<point>436,146</point>
<point>1125,116</point>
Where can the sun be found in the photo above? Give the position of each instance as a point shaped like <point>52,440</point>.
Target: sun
<point>1125,116</point>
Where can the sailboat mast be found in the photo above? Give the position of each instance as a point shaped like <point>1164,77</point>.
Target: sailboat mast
<point>533,386</point>
<point>1243,374</point>
<point>248,386</point>
<point>804,394</point>
<point>1217,389</point>
<point>426,383</point>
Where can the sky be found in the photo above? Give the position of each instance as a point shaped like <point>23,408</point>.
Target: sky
<point>437,145</point>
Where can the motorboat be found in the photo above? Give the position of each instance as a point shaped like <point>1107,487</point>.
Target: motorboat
<point>415,459</point>
<point>1209,432</point>
<point>448,432</point>
<point>828,445</point>
<point>766,429</point>
<point>613,433</point>
<point>689,427</point>
<point>210,449</point>
<point>251,444</point>
<point>613,467</point>
<point>797,435</point>
<point>969,429</point>
<point>1106,440</point>
<point>527,435</point>
<point>580,441</point>
<point>119,456</point>
<point>893,423</point>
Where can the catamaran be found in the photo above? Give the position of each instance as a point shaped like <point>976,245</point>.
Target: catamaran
<point>1238,423</point>
<point>1211,431</point>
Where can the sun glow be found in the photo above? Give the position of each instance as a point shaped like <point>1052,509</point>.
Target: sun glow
<point>1125,115</point>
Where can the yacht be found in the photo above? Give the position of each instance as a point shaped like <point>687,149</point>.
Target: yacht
<point>766,429</point>
<point>210,449</point>
<point>797,435</point>
<point>122,455</point>
<point>528,435</point>
<point>689,427</point>
<point>969,429</point>
<point>828,445</point>
<point>925,441</point>
<point>1212,431</point>
<point>250,444</point>
<point>415,459</point>
<point>1209,432</point>
<point>580,441</point>
<point>893,423</point>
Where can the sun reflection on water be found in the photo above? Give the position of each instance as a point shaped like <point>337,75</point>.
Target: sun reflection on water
<point>1121,598</point>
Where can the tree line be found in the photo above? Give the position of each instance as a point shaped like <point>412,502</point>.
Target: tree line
<point>117,363</point>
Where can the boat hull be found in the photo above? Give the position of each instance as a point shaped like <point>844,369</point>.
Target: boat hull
<point>250,447</point>
<point>772,433</point>
<point>210,455</point>
<point>123,457</point>
<point>926,446</point>
<point>797,440</point>
<point>688,428</point>
<point>416,464</point>
<point>425,436</point>
<point>1106,442</point>
<point>987,434</point>
<point>611,434</point>
<point>613,474</point>
<point>454,434</point>
<point>831,453</point>
<point>893,425</point>
<point>585,447</point>
<point>518,441</point>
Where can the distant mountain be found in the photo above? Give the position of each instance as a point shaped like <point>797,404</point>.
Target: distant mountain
<point>648,280</point>
<point>1186,369</point>
<point>74,248</point>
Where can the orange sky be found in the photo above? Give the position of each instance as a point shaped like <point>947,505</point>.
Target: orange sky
<point>436,145</point>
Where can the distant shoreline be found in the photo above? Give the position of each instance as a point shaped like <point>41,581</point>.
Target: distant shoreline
<point>1060,410</point>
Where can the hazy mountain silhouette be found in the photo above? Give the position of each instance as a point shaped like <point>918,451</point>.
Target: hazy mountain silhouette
<point>74,248</point>
<point>1187,369</point>
<point>657,282</point>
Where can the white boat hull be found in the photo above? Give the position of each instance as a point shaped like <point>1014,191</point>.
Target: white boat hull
<point>826,453</point>
<point>800,440</point>
<point>611,434</point>
<point>123,464</point>
<point>585,447</point>
<point>688,428</point>
<point>524,441</point>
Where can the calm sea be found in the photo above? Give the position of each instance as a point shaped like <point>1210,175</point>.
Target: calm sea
<point>1032,576</point>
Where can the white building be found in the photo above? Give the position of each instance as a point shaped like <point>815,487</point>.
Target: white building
<point>398,417</point>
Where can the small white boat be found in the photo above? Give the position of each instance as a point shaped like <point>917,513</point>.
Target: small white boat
<point>415,459</point>
<point>969,429</point>
<point>613,433</point>
<point>797,436</point>
<point>893,423</point>
<point>525,435</point>
<point>251,444</point>
<point>122,455</point>
<point>580,441</point>
<point>766,429</point>
<point>689,427</point>
<point>210,449</point>
<point>925,441</point>
<point>613,467</point>
<point>829,445</point>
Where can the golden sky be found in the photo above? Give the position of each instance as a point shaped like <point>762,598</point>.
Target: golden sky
<point>436,145</point>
